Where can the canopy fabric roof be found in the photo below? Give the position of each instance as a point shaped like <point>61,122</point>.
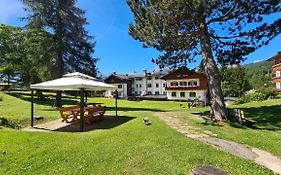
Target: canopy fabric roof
<point>73,82</point>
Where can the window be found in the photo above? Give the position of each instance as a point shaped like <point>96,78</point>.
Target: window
<point>195,83</point>
<point>140,86</point>
<point>149,85</point>
<point>137,85</point>
<point>149,93</point>
<point>189,83</point>
<point>148,78</point>
<point>174,83</point>
<point>164,84</point>
<point>278,85</point>
<point>182,94</point>
<point>157,93</point>
<point>138,79</point>
<point>183,83</point>
<point>165,93</point>
<point>157,85</point>
<point>192,94</point>
<point>120,86</point>
<point>174,94</point>
<point>157,78</point>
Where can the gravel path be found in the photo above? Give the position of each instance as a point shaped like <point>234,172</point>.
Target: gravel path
<point>259,156</point>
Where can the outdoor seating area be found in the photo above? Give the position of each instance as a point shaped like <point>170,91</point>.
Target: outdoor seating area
<point>91,113</point>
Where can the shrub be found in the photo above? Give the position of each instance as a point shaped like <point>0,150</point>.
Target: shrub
<point>261,95</point>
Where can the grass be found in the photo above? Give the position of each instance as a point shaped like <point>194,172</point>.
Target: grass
<point>16,106</point>
<point>129,148</point>
<point>265,134</point>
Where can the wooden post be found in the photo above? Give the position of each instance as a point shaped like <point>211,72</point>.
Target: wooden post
<point>32,109</point>
<point>82,109</point>
<point>116,96</point>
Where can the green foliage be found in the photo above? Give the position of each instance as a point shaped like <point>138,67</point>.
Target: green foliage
<point>17,60</point>
<point>177,28</point>
<point>261,95</point>
<point>259,74</point>
<point>234,80</point>
<point>67,45</point>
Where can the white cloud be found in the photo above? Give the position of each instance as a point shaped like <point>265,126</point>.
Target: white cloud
<point>10,10</point>
<point>256,61</point>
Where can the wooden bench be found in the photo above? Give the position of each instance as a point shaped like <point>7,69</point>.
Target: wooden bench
<point>67,113</point>
<point>94,113</point>
<point>239,115</point>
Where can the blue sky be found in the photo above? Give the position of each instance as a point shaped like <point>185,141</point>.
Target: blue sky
<point>108,22</point>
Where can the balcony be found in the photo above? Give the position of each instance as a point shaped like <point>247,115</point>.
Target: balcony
<point>190,87</point>
<point>276,67</point>
<point>276,79</point>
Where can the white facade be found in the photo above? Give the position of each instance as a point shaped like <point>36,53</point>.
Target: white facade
<point>278,85</point>
<point>184,94</point>
<point>188,95</point>
<point>122,89</point>
<point>148,85</point>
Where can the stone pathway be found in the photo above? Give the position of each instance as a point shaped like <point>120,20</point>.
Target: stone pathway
<point>259,156</point>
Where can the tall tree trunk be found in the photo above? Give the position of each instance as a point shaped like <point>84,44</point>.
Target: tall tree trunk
<point>60,50</point>
<point>211,70</point>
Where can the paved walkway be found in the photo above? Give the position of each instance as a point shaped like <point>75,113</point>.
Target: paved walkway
<point>250,153</point>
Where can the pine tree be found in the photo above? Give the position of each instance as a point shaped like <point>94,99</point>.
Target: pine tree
<point>227,30</point>
<point>71,45</point>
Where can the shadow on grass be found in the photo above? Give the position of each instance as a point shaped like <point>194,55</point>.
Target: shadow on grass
<point>69,101</point>
<point>108,122</point>
<point>267,117</point>
<point>264,117</point>
<point>46,101</point>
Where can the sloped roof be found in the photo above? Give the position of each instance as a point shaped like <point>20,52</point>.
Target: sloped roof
<point>73,81</point>
<point>183,73</point>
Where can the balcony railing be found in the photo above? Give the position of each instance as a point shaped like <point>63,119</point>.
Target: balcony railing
<point>189,87</point>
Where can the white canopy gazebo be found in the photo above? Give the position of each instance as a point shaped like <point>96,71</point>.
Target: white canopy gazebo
<point>72,82</point>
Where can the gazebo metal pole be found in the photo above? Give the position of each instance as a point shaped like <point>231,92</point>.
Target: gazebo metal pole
<point>116,97</point>
<point>82,109</point>
<point>32,109</point>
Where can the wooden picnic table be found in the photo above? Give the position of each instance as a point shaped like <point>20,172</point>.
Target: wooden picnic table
<point>90,112</point>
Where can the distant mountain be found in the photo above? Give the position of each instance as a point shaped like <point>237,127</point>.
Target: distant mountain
<point>259,73</point>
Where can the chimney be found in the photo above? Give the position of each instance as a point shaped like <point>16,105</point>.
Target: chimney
<point>279,52</point>
<point>144,72</point>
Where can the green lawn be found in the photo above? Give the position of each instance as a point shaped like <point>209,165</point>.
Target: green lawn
<point>129,148</point>
<point>266,134</point>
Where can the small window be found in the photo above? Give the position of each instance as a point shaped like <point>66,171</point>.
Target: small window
<point>148,78</point>
<point>157,85</point>
<point>139,79</point>
<point>174,83</point>
<point>164,84</point>
<point>157,78</point>
<point>192,94</point>
<point>149,85</point>
<point>137,85</point>
<point>182,94</point>
<point>157,93</point>
<point>165,93</point>
<point>174,94</point>
<point>120,86</point>
<point>140,85</point>
<point>190,83</point>
<point>195,83</point>
<point>149,93</point>
<point>183,83</point>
